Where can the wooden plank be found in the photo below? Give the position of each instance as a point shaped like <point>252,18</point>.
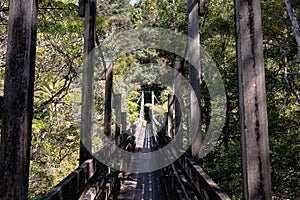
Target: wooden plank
<point>18,100</point>
<point>194,62</point>
<point>87,81</point>
<point>189,188</point>
<point>252,101</point>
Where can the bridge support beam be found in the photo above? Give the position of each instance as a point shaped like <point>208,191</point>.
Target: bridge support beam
<point>86,127</point>
<point>18,100</point>
<point>195,72</point>
<point>108,98</point>
<point>179,68</point>
<point>252,101</point>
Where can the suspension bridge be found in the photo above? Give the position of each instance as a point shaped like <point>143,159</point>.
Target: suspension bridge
<point>183,178</point>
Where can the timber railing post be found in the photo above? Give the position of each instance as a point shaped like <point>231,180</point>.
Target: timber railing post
<point>18,100</point>
<point>86,127</point>
<point>124,123</point>
<point>170,115</point>
<point>117,105</point>
<point>152,113</point>
<point>152,103</point>
<point>252,101</point>
<point>133,129</point>
<point>178,101</point>
<point>166,123</point>
<point>108,98</point>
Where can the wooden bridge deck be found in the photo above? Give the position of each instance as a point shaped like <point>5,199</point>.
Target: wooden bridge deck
<point>147,186</point>
<point>144,186</point>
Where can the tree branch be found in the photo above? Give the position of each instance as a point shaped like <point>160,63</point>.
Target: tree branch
<point>4,9</point>
<point>288,82</point>
<point>295,26</point>
<point>57,8</point>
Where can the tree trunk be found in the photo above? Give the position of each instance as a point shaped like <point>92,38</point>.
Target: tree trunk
<point>18,100</point>
<point>295,26</point>
<point>252,101</point>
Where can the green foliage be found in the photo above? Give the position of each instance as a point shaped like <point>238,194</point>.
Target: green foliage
<point>3,40</point>
<point>55,139</point>
<point>133,106</point>
<point>125,63</point>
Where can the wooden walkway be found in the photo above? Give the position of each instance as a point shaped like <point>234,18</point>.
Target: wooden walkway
<point>147,186</point>
<point>182,180</point>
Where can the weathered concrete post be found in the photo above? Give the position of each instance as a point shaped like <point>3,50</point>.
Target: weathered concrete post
<point>195,72</point>
<point>86,127</point>
<point>252,101</point>
<point>18,100</point>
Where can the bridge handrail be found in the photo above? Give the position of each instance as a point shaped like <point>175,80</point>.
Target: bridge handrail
<point>83,178</point>
<point>75,183</point>
<point>104,184</point>
<point>205,186</point>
